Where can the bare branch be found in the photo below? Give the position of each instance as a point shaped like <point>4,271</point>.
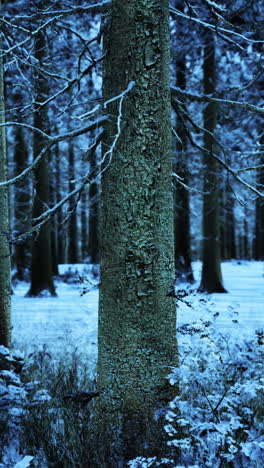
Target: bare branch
<point>212,27</point>
<point>206,98</point>
<point>52,141</point>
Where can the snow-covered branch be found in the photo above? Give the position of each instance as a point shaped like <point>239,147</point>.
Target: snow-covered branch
<point>206,98</point>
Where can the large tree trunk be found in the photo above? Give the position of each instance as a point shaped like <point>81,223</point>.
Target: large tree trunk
<point>41,267</point>
<point>211,272</point>
<point>137,342</point>
<point>183,264</point>
<point>5,264</point>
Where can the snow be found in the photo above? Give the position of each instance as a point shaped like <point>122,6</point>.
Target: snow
<point>70,320</point>
<point>67,321</point>
<point>25,462</point>
<point>244,281</point>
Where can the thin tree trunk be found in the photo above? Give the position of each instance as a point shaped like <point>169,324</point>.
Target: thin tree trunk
<point>5,263</point>
<point>137,343</point>
<point>211,271</point>
<point>84,225</point>
<point>259,222</point>
<point>22,209</point>
<point>228,238</point>
<point>93,245</point>
<point>41,267</point>
<point>73,226</point>
<point>54,222</point>
<point>181,195</point>
<point>61,241</point>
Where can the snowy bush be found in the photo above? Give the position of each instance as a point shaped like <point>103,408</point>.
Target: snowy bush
<point>216,420</point>
<point>14,396</point>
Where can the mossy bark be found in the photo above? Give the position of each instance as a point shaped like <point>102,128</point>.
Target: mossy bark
<point>211,271</point>
<point>137,324</point>
<point>41,265</point>
<point>5,263</point>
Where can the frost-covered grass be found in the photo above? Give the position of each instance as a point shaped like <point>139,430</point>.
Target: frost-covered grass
<point>215,421</point>
<point>44,420</point>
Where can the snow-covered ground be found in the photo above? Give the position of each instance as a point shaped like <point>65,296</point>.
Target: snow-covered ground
<point>70,320</point>
<point>244,301</point>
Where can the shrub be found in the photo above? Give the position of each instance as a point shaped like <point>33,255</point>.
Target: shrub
<point>216,419</point>
<point>57,431</point>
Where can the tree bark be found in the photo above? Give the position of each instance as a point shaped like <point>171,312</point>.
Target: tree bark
<point>211,271</point>
<point>5,263</point>
<point>41,266</point>
<point>137,342</point>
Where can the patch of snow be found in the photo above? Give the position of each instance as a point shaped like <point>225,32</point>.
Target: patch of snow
<point>25,462</point>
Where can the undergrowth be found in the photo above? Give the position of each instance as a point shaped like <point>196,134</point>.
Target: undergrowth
<point>50,418</point>
<point>216,421</point>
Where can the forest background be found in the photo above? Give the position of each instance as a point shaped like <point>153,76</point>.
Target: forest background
<point>54,121</point>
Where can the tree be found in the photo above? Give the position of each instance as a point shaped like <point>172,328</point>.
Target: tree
<point>93,244</point>
<point>73,226</point>
<point>181,194</point>
<point>5,266</point>
<point>137,343</point>
<point>41,266</point>
<point>22,199</point>
<point>227,228</point>
<point>259,223</point>
<point>211,271</point>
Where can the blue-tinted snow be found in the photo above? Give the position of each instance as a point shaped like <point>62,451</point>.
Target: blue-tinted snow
<point>70,320</point>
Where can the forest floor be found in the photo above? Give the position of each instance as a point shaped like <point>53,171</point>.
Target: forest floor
<point>69,321</point>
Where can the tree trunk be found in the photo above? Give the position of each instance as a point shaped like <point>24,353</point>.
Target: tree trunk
<point>84,225</point>
<point>41,267</point>
<point>259,223</point>
<point>93,245</point>
<point>137,343</point>
<point>73,226</point>
<point>211,272</point>
<point>23,208</point>
<point>228,237</point>
<point>181,195</point>
<point>54,221</point>
<point>61,241</point>
<point>5,264</point>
